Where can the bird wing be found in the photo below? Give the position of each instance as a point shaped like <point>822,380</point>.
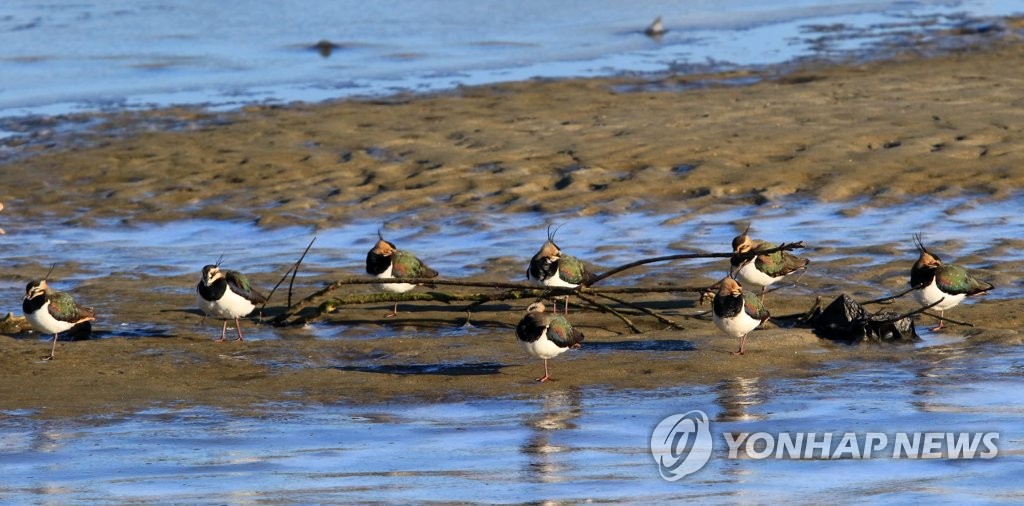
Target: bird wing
<point>239,284</point>
<point>406,265</point>
<point>64,308</point>
<point>572,270</point>
<point>561,333</point>
<point>752,305</point>
<point>956,280</point>
<point>779,263</point>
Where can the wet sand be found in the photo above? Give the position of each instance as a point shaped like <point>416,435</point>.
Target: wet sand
<point>873,134</point>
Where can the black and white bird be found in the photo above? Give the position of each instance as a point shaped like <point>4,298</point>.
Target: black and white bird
<point>386,261</point>
<point>227,295</point>
<point>546,336</point>
<point>656,29</point>
<point>551,267</point>
<point>52,312</point>
<point>761,270</point>
<point>944,284</point>
<point>735,312</point>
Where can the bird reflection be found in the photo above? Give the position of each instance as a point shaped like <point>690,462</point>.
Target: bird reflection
<point>736,396</point>
<point>930,386</point>
<point>558,411</point>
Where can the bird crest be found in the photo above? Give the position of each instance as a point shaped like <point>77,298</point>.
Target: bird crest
<point>47,276</point>
<point>927,259</point>
<point>742,242</point>
<point>383,247</point>
<point>36,288</point>
<point>550,249</point>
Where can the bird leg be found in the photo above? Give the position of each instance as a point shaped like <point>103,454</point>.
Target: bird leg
<point>763,288</point>
<point>743,341</point>
<point>238,328</point>
<point>223,332</point>
<point>942,323</point>
<point>52,348</point>
<point>393,313</point>
<point>546,375</point>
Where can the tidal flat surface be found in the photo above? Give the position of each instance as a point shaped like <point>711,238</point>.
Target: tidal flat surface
<point>575,439</point>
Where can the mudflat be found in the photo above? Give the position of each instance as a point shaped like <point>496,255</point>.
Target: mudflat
<point>867,134</point>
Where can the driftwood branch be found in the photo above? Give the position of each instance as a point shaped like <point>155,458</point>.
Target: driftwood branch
<point>884,300</point>
<point>509,291</point>
<point>607,309</point>
<point>513,291</point>
<point>690,256</point>
<point>642,309</point>
<point>914,312</point>
<point>329,305</point>
<point>295,268</point>
<point>943,318</point>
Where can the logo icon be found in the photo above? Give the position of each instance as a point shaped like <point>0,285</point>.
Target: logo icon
<point>681,444</point>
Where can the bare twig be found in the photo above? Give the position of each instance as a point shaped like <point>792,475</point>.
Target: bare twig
<point>891,297</point>
<point>642,309</point>
<point>293,267</point>
<point>690,256</point>
<point>914,312</point>
<point>943,318</point>
<point>603,307</point>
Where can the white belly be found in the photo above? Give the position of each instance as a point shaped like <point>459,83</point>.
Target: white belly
<point>737,326</point>
<point>557,281</point>
<point>44,322</point>
<point>392,287</point>
<point>931,293</point>
<point>230,306</point>
<point>749,276</point>
<point>543,348</point>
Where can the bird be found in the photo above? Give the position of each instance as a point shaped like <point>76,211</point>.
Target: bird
<point>656,29</point>
<point>227,295</point>
<point>736,313</point>
<point>386,261</point>
<point>546,335</point>
<point>53,312</point>
<point>553,268</point>
<point>761,270</point>
<point>944,285</point>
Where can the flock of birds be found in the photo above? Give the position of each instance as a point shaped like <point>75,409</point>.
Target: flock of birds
<point>228,294</point>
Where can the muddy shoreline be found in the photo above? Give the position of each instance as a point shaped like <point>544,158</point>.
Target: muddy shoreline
<point>873,134</point>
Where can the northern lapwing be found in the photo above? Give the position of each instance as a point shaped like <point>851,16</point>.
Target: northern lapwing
<point>656,29</point>
<point>553,268</point>
<point>52,312</point>
<point>227,295</point>
<point>761,270</point>
<point>736,313</point>
<point>545,335</point>
<point>388,262</point>
<point>946,284</point>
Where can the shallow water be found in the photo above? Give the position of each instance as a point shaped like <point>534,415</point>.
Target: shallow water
<point>965,230</point>
<point>554,443</point>
<point>88,56</point>
<point>565,444</point>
